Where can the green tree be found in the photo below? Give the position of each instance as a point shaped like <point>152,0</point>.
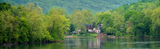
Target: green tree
<point>57,23</point>
<point>81,17</point>
<point>139,26</point>
<point>106,20</point>
<point>155,21</point>
<point>5,6</point>
<point>72,28</point>
<point>129,14</point>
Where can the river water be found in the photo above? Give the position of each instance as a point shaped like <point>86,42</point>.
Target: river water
<point>94,43</point>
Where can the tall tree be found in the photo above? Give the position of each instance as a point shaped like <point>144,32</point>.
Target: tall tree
<point>81,17</point>
<point>155,22</point>
<point>57,23</point>
<point>106,20</point>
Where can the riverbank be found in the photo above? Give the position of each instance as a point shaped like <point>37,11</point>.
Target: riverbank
<point>100,35</point>
<point>76,37</point>
<point>88,35</point>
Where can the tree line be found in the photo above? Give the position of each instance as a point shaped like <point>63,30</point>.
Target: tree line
<point>27,23</point>
<point>139,19</point>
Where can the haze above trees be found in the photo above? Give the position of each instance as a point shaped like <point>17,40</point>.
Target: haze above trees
<point>69,5</point>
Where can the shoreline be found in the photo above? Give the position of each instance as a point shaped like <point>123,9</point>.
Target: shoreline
<point>77,37</point>
<point>106,37</point>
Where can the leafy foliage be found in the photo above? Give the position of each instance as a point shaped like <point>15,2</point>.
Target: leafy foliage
<point>106,20</point>
<point>81,17</point>
<point>27,24</point>
<point>137,19</point>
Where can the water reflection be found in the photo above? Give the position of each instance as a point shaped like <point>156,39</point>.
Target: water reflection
<point>94,43</point>
<point>59,45</point>
<point>109,43</point>
<point>82,43</point>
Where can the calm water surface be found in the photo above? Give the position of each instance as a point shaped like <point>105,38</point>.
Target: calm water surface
<point>94,43</point>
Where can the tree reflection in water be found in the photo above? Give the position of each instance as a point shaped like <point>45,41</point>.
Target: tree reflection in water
<point>94,43</point>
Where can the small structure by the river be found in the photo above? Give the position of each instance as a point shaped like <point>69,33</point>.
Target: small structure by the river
<point>91,29</point>
<point>99,28</point>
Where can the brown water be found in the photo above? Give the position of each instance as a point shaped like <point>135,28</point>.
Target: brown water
<point>94,43</point>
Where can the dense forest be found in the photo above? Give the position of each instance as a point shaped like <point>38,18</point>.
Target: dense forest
<point>69,5</point>
<point>28,23</point>
<point>139,19</point>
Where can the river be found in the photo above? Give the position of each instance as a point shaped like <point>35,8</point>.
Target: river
<point>94,43</point>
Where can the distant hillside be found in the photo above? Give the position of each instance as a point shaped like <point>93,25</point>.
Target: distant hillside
<point>69,5</point>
